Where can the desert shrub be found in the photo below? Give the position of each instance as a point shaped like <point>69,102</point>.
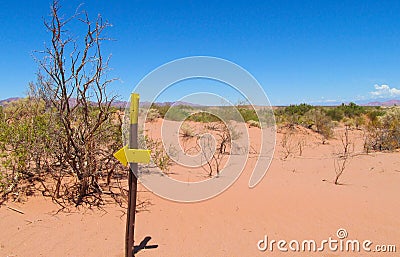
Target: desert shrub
<point>348,122</point>
<point>351,110</point>
<point>320,122</point>
<point>176,113</point>
<point>293,114</point>
<point>267,116</point>
<point>152,115</point>
<point>383,132</point>
<point>300,109</point>
<point>248,113</point>
<point>343,156</point>
<point>186,131</point>
<point>64,134</point>
<point>225,134</point>
<point>23,136</point>
<point>253,123</point>
<point>335,113</point>
<point>159,155</point>
<point>162,109</point>
<point>374,114</point>
<point>204,117</point>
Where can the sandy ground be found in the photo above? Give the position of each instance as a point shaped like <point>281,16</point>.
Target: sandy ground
<point>296,200</point>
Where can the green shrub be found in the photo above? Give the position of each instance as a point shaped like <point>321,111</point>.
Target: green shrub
<point>320,122</point>
<point>176,113</point>
<point>248,113</point>
<point>335,113</point>
<point>352,110</point>
<point>162,109</point>
<point>384,132</point>
<point>300,109</point>
<point>204,117</point>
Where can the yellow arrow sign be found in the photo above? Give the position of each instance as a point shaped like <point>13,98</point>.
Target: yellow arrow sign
<point>126,155</point>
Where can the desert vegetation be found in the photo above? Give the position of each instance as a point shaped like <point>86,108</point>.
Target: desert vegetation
<point>380,127</point>
<point>59,140</point>
<point>64,133</point>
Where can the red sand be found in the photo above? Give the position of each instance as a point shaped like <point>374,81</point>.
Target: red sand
<point>296,200</point>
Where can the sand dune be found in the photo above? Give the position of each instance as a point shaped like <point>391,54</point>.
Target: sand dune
<point>296,200</point>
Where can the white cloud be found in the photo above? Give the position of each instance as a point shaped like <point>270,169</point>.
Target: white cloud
<point>385,91</point>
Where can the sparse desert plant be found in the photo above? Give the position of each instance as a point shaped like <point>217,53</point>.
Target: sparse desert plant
<point>186,131</point>
<point>345,140</point>
<point>340,166</point>
<point>288,145</point>
<point>291,142</point>
<point>212,126</point>
<point>212,156</point>
<point>152,115</point>
<point>301,144</point>
<point>213,151</point>
<point>160,156</point>
<point>253,123</point>
<point>226,133</point>
<point>343,156</point>
<point>322,123</point>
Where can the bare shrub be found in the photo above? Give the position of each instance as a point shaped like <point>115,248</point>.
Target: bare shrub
<point>213,151</point>
<point>72,81</point>
<point>301,144</point>
<point>213,158</point>
<point>292,143</point>
<point>288,145</point>
<point>343,156</point>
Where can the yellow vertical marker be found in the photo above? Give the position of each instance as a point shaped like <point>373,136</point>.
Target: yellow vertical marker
<point>132,156</point>
<point>134,109</point>
<point>127,155</point>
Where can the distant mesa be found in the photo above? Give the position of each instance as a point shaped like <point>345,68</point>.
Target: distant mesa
<point>393,102</point>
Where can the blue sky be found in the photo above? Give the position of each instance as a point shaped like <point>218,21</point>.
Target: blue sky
<point>299,51</point>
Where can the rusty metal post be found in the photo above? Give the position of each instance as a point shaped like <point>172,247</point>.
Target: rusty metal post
<point>132,180</point>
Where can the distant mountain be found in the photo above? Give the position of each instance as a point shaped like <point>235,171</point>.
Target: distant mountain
<point>177,103</point>
<point>392,102</point>
<point>367,102</point>
<point>123,104</point>
<point>8,100</point>
<point>147,104</point>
